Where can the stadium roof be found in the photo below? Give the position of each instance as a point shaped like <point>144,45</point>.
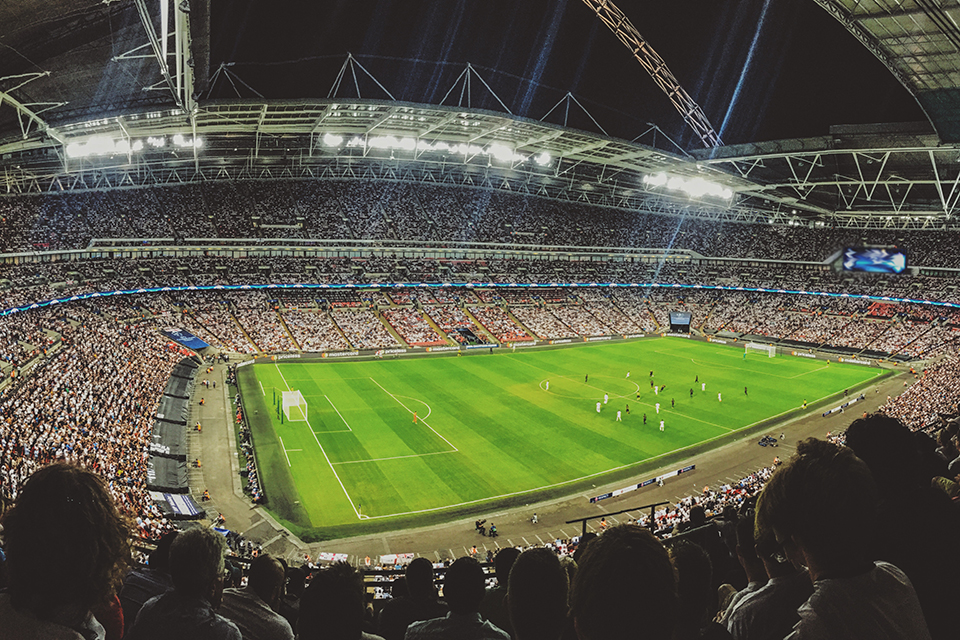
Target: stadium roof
<point>919,41</point>
<point>87,70</point>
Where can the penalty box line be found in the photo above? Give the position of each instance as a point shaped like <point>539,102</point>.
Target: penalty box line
<point>325,456</point>
<point>420,419</point>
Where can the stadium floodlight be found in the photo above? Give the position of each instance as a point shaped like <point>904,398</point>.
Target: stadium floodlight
<point>332,140</point>
<point>180,141</point>
<point>543,159</point>
<point>693,187</point>
<point>98,146</point>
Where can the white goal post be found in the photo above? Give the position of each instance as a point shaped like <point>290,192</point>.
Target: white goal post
<point>294,406</point>
<point>770,349</point>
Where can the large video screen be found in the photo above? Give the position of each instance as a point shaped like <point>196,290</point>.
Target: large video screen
<point>876,260</point>
<point>680,321</point>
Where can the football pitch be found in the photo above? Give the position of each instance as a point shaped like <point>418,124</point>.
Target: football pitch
<point>391,441</point>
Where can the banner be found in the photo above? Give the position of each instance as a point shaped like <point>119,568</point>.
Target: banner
<point>168,440</point>
<point>185,338</point>
<point>173,410</point>
<point>179,388</point>
<point>166,475</point>
<point>640,485</point>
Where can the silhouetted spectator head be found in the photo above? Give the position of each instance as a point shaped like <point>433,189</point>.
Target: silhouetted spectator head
<point>419,576</point>
<point>747,551</point>
<point>503,562</point>
<point>821,506</point>
<point>537,596</point>
<point>697,597</point>
<point>889,449</point>
<point>197,564</point>
<point>67,545</point>
<point>698,516</point>
<point>625,585</point>
<point>463,586</point>
<point>160,557</point>
<point>332,607</point>
<point>585,541</point>
<point>399,587</point>
<point>296,581</point>
<point>267,578</point>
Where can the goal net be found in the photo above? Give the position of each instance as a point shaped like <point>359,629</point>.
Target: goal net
<point>769,349</point>
<point>294,406</point>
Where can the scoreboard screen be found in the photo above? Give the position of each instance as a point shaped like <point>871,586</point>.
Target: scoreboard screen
<point>875,260</point>
<point>680,321</point>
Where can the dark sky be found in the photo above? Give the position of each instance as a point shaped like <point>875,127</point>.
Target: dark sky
<point>760,69</point>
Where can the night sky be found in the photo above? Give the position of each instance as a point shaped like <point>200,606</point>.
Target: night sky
<point>760,69</point>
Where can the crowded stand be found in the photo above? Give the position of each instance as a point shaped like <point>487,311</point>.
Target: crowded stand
<point>217,320</point>
<point>363,329</point>
<point>259,319</point>
<point>412,327</point>
<point>456,324</point>
<point>542,323</point>
<point>314,331</point>
<point>935,393</point>
<point>613,317</point>
<point>345,209</point>
<point>496,321</point>
<point>90,402</point>
<point>580,320</point>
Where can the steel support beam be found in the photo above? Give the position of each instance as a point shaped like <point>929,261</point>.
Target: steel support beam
<point>651,61</point>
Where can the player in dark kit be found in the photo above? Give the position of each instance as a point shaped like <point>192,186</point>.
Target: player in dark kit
<point>644,418</point>
<point>691,393</point>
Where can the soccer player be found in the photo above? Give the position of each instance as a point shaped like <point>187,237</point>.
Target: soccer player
<point>628,374</point>
<point>644,418</point>
<point>548,385</point>
<point>703,386</point>
<point>673,403</point>
<point>697,379</point>
<point>651,374</point>
<point>598,407</point>
<point>691,392</point>
<point>414,417</point>
<point>719,398</point>
<point>606,397</point>
<point>586,378</point>
<point>744,391</point>
<point>661,425</point>
<point>656,390</point>
<point>658,407</point>
<point>619,417</point>
<point>628,409</point>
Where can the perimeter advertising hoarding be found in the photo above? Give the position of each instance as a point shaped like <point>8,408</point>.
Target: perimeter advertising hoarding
<point>875,260</point>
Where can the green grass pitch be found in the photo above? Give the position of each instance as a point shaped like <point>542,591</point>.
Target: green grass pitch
<point>489,428</point>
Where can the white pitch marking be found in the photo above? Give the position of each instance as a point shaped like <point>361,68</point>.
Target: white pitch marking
<point>325,456</point>
<point>408,411</point>
<point>284,447</point>
<point>413,455</point>
<point>338,413</point>
<point>261,388</point>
